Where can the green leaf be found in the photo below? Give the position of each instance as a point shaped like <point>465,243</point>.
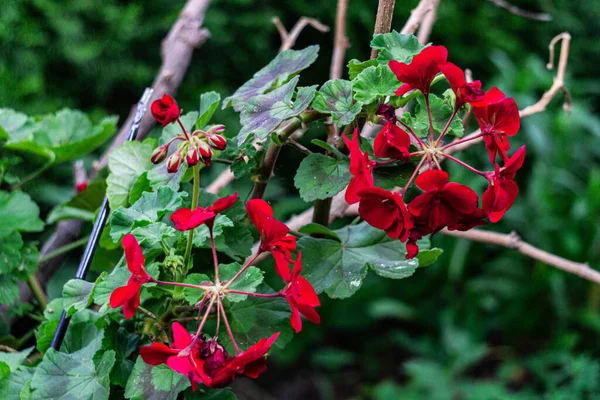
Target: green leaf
<point>126,163</point>
<point>209,102</point>
<point>10,252</point>
<point>141,185</point>
<point>318,229</point>
<point>11,121</point>
<point>9,289</point>
<point>18,213</point>
<point>389,177</point>
<point>257,318</point>
<point>77,295</point>
<point>396,46</point>
<point>374,83</point>
<point>287,64</point>
<point>427,255</point>
<point>338,268</point>
<point>74,376</point>
<point>440,114</point>
<point>192,295</point>
<point>247,282</point>
<point>320,177</point>
<point>262,114</point>
<point>82,206</point>
<point>148,209</point>
<point>355,67</point>
<point>204,393</point>
<point>202,234</point>
<point>142,381</point>
<point>13,386</point>
<point>335,98</point>
<point>15,360</point>
<point>124,344</point>
<point>104,288</point>
<point>159,176</point>
<point>151,236</point>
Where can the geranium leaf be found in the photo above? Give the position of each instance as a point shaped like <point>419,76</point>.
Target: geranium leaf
<point>209,102</point>
<point>192,295</point>
<point>82,206</point>
<point>151,236</point>
<point>16,359</point>
<point>320,176</point>
<point>355,67</point>
<point>9,289</point>
<point>262,114</point>
<point>11,122</point>
<point>388,177</point>
<point>126,163</point>
<point>396,46</point>
<point>104,288</point>
<point>247,282</point>
<point>335,98</point>
<point>338,268</point>
<point>141,185</point>
<point>146,384</point>
<point>287,64</point>
<point>18,213</point>
<point>76,295</point>
<point>148,209</point>
<point>374,83</point>
<point>10,252</point>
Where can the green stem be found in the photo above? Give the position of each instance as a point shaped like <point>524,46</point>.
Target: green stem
<point>37,291</point>
<point>180,276</point>
<point>64,249</point>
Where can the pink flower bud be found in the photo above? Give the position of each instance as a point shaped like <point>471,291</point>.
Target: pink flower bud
<point>191,157</point>
<point>159,154</point>
<point>215,141</point>
<point>174,161</point>
<point>216,129</point>
<point>205,153</point>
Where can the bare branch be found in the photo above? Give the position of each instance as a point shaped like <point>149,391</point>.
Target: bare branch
<point>289,39</point>
<point>383,20</point>
<point>513,241</point>
<point>427,24</point>
<point>417,16</point>
<point>511,8</point>
<point>340,43</point>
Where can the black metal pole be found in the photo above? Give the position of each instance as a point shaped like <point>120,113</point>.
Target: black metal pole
<point>90,249</point>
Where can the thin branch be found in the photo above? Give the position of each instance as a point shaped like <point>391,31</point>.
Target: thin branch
<point>428,21</point>
<point>513,241</point>
<point>383,20</point>
<point>288,39</point>
<point>511,8</point>
<point>340,41</point>
<point>417,16</point>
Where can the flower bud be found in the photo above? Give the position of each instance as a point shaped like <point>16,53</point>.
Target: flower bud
<point>81,186</point>
<point>191,157</point>
<point>159,154</point>
<point>215,141</point>
<point>174,161</point>
<point>216,129</point>
<point>205,153</point>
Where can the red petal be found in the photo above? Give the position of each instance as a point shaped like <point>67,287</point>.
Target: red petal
<point>224,203</point>
<point>508,120</point>
<point>307,293</point>
<point>180,364</point>
<point>461,197</point>
<point>309,313</point>
<point>156,353</point>
<point>295,319</point>
<point>130,307</point>
<point>122,295</point>
<point>403,89</point>
<point>281,265</point>
<point>181,337</point>
<point>133,255</point>
<point>513,164</point>
<point>412,249</point>
<point>454,75</point>
<point>185,219</point>
<point>258,210</point>
<point>432,179</point>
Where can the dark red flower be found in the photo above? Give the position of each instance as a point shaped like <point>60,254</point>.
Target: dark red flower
<point>81,186</point>
<point>420,72</point>
<point>465,92</point>
<point>128,296</point>
<point>361,167</point>
<point>392,142</point>
<point>385,210</point>
<point>503,190</point>
<point>387,112</point>
<point>274,236</point>
<point>165,110</point>
<point>301,297</point>
<point>185,219</point>
<point>442,204</point>
<point>498,121</point>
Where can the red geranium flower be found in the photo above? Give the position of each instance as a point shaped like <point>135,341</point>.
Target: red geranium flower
<point>498,121</point>
<point>128,296</point>
<point>503,190</point>
<point>165,110</point>
<point>442,204</point>
<point>186,219</point>
<point>274,236</point>
<point>392,142</point>
<point>301,297</point>
<point>385,210</point>
<point>466,92</point>
<point>360,167</point>
<point>420,72</point>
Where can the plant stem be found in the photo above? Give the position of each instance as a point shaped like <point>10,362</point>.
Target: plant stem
<point>214,253</point>
<point>271,295</point>
<point>465,140</point>
<point>439,140</point>
<point>229,332</point>
<point>188,249</point>
<point>37,291</point>
<point>185,132</point>
<point>431,132</point>
<point>64,249</point>
<point>243,269</point>
<point>212,301</point>
<point>412,132</point>
<point>464,164</point>
<point>414,174</point>
<point>181,285</point>
<point>322,209</point>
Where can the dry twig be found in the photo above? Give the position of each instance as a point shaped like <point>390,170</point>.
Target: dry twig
<point>511,8</point>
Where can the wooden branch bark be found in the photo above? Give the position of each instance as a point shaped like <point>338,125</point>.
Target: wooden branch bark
<point>511,8</point>
<point>383,20</point>
<point>177,48</point>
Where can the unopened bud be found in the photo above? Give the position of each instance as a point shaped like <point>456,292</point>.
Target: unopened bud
<point>191,157</point>
<point>174,161</point>
<point>216,129</point>
<point>205,153</point>
<point>159,154</point>
<point>215,141</point>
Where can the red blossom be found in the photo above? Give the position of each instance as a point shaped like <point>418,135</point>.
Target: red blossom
<point>392,142</point>
<point>361,167</point>
<point>498,121</point>
<point>465,92</point>
<point>443,204</point>
<point>420,72</point>
<point>385,210</point>
<point>186,219</point>
<point>165,110</point>
<point>274,236</point>
<point>81,186</point>
<point>301,297</point>
<point>503,190</point>
<point>128,296</point>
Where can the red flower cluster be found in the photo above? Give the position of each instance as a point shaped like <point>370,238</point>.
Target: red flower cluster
<point>442,204</point>
<point>195,147</point>
<point>207,361</point>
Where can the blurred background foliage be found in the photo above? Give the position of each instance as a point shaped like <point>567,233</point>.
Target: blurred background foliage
<point>481,323</point>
